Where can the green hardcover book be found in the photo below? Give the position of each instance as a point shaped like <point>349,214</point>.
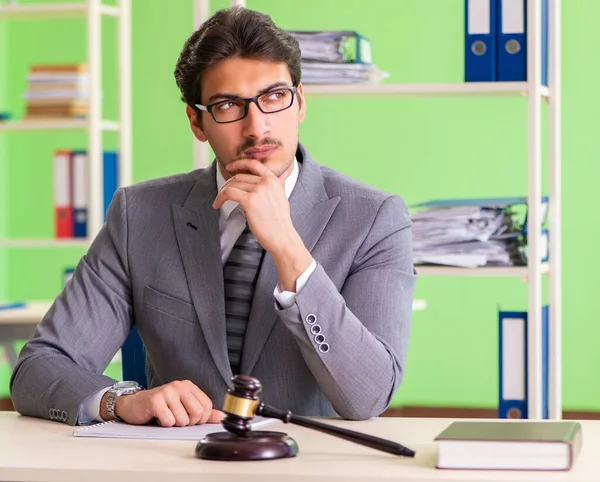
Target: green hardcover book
<point>509,445</point>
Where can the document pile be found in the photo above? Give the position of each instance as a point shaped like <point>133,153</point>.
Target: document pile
<point>336,57</point>
<point>471,233</point>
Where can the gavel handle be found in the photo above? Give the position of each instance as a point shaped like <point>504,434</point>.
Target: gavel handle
<point>350,435</point>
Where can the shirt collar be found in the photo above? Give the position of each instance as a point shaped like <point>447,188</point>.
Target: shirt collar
<point>229,206</point>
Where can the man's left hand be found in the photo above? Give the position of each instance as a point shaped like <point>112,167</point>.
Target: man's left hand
<point>261,195</point>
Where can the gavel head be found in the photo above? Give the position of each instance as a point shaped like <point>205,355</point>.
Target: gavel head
<point>240,404</point>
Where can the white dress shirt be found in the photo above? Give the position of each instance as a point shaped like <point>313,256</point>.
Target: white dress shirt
<point>232,222</point>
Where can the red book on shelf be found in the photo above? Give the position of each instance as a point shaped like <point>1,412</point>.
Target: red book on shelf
<point>63,194</point>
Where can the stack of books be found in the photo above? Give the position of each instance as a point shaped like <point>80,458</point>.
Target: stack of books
<point>336,57</point>
<point>57,91</point>
<point>471,233</point>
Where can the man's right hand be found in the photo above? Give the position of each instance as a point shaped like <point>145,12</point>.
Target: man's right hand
<point>178,403</point>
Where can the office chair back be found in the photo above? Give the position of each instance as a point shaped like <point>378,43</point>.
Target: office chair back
<point>133,356</point>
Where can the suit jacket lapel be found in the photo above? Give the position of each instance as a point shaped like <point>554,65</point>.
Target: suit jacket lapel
<point>311,209</point>
<point>197,231</point>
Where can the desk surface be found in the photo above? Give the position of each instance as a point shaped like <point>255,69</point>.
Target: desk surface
<point>32,449</point>
<point>30,314</point>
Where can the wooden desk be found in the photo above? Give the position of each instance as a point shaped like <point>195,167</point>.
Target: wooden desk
<point>19,324</point>
<point>32,450</point>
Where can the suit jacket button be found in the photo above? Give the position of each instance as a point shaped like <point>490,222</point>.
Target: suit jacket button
<point>315,329</point>
<point>320,339</point>
<point>311,319</point>
<point>323,347</point>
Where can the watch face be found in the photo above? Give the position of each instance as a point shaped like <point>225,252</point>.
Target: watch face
<point>125,385</point>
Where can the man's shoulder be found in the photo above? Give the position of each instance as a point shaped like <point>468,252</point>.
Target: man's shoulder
<point>352,190</point>
<point>174,181</point>
<point>168,188</point>
<point>363,202</point>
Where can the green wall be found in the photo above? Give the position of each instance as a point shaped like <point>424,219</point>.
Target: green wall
<point>419,148</point>
<point>3,155</point>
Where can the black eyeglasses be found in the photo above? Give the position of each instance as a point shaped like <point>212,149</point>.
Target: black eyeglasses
<point>235,109</point>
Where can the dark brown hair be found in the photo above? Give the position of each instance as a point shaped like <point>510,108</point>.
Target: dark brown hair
<point>233,32</point>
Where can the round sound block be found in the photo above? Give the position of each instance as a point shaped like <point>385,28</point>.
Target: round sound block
<point>258,445</point>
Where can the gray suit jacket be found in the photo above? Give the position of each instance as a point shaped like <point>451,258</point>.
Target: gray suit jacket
<point>148,266</point>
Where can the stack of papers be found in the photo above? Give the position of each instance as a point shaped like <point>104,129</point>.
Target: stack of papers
<point>324,73</point>
<point>470,233</point>
<point>336,57</point>
<point>333,46</point>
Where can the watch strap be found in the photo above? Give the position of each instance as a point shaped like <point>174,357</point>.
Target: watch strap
<point>111,400</point>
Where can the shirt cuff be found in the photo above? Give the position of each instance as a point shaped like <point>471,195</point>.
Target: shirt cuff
<point>89,410</point>
<point>287,298</point>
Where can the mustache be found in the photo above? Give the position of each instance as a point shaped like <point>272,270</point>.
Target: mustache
<point>250,143</point>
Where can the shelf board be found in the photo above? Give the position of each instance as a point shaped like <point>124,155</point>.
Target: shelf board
<point>51,10</point>
<point>50,125</point>
<point>44,243</point>
<point>501,271</point>
<point>409,90</point>
<point>419,305</point>
<point>109,11</point>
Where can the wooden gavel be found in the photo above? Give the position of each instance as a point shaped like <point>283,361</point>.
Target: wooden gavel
<point>242,405</point>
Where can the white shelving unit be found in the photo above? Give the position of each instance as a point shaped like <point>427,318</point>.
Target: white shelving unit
<point>44,243</point>
<point>470,89</point>
<point>535,93</point>
<point>59,124</point>
<point>500,271</point>
<point>92,11</point>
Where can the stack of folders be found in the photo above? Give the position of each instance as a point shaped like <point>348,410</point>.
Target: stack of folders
<point>513,363</point>
<point>509,445</point>
<point>72,190</point>
<point>496,40</point>
<point>471,233</point>
<point>336,57</point>
<point>57,91</point>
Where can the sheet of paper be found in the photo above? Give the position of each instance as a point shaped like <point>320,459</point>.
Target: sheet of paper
<point>115,429</point>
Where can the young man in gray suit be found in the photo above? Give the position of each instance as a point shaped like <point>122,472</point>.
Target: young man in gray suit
<point>265,263</point>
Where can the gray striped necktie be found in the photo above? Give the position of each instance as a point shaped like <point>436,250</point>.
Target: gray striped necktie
<point>240,274</point>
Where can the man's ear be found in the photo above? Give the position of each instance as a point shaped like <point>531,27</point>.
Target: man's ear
<point>301,102</point>
<point>193,118</point>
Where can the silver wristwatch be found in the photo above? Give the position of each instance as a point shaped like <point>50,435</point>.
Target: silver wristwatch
<point>117,390</point>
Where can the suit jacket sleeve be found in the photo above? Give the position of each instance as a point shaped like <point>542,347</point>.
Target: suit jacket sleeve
<point>63,363</point>
<point>366,324</point>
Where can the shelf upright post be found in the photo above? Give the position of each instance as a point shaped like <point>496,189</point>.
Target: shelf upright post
<point>201,149</point>
<point>554,212</point>
<point>125,127</point>
<point>534,108</point>
<point>94,58</point>
<point>201,13</point>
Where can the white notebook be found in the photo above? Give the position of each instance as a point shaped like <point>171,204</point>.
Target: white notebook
<point>114,429</point>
